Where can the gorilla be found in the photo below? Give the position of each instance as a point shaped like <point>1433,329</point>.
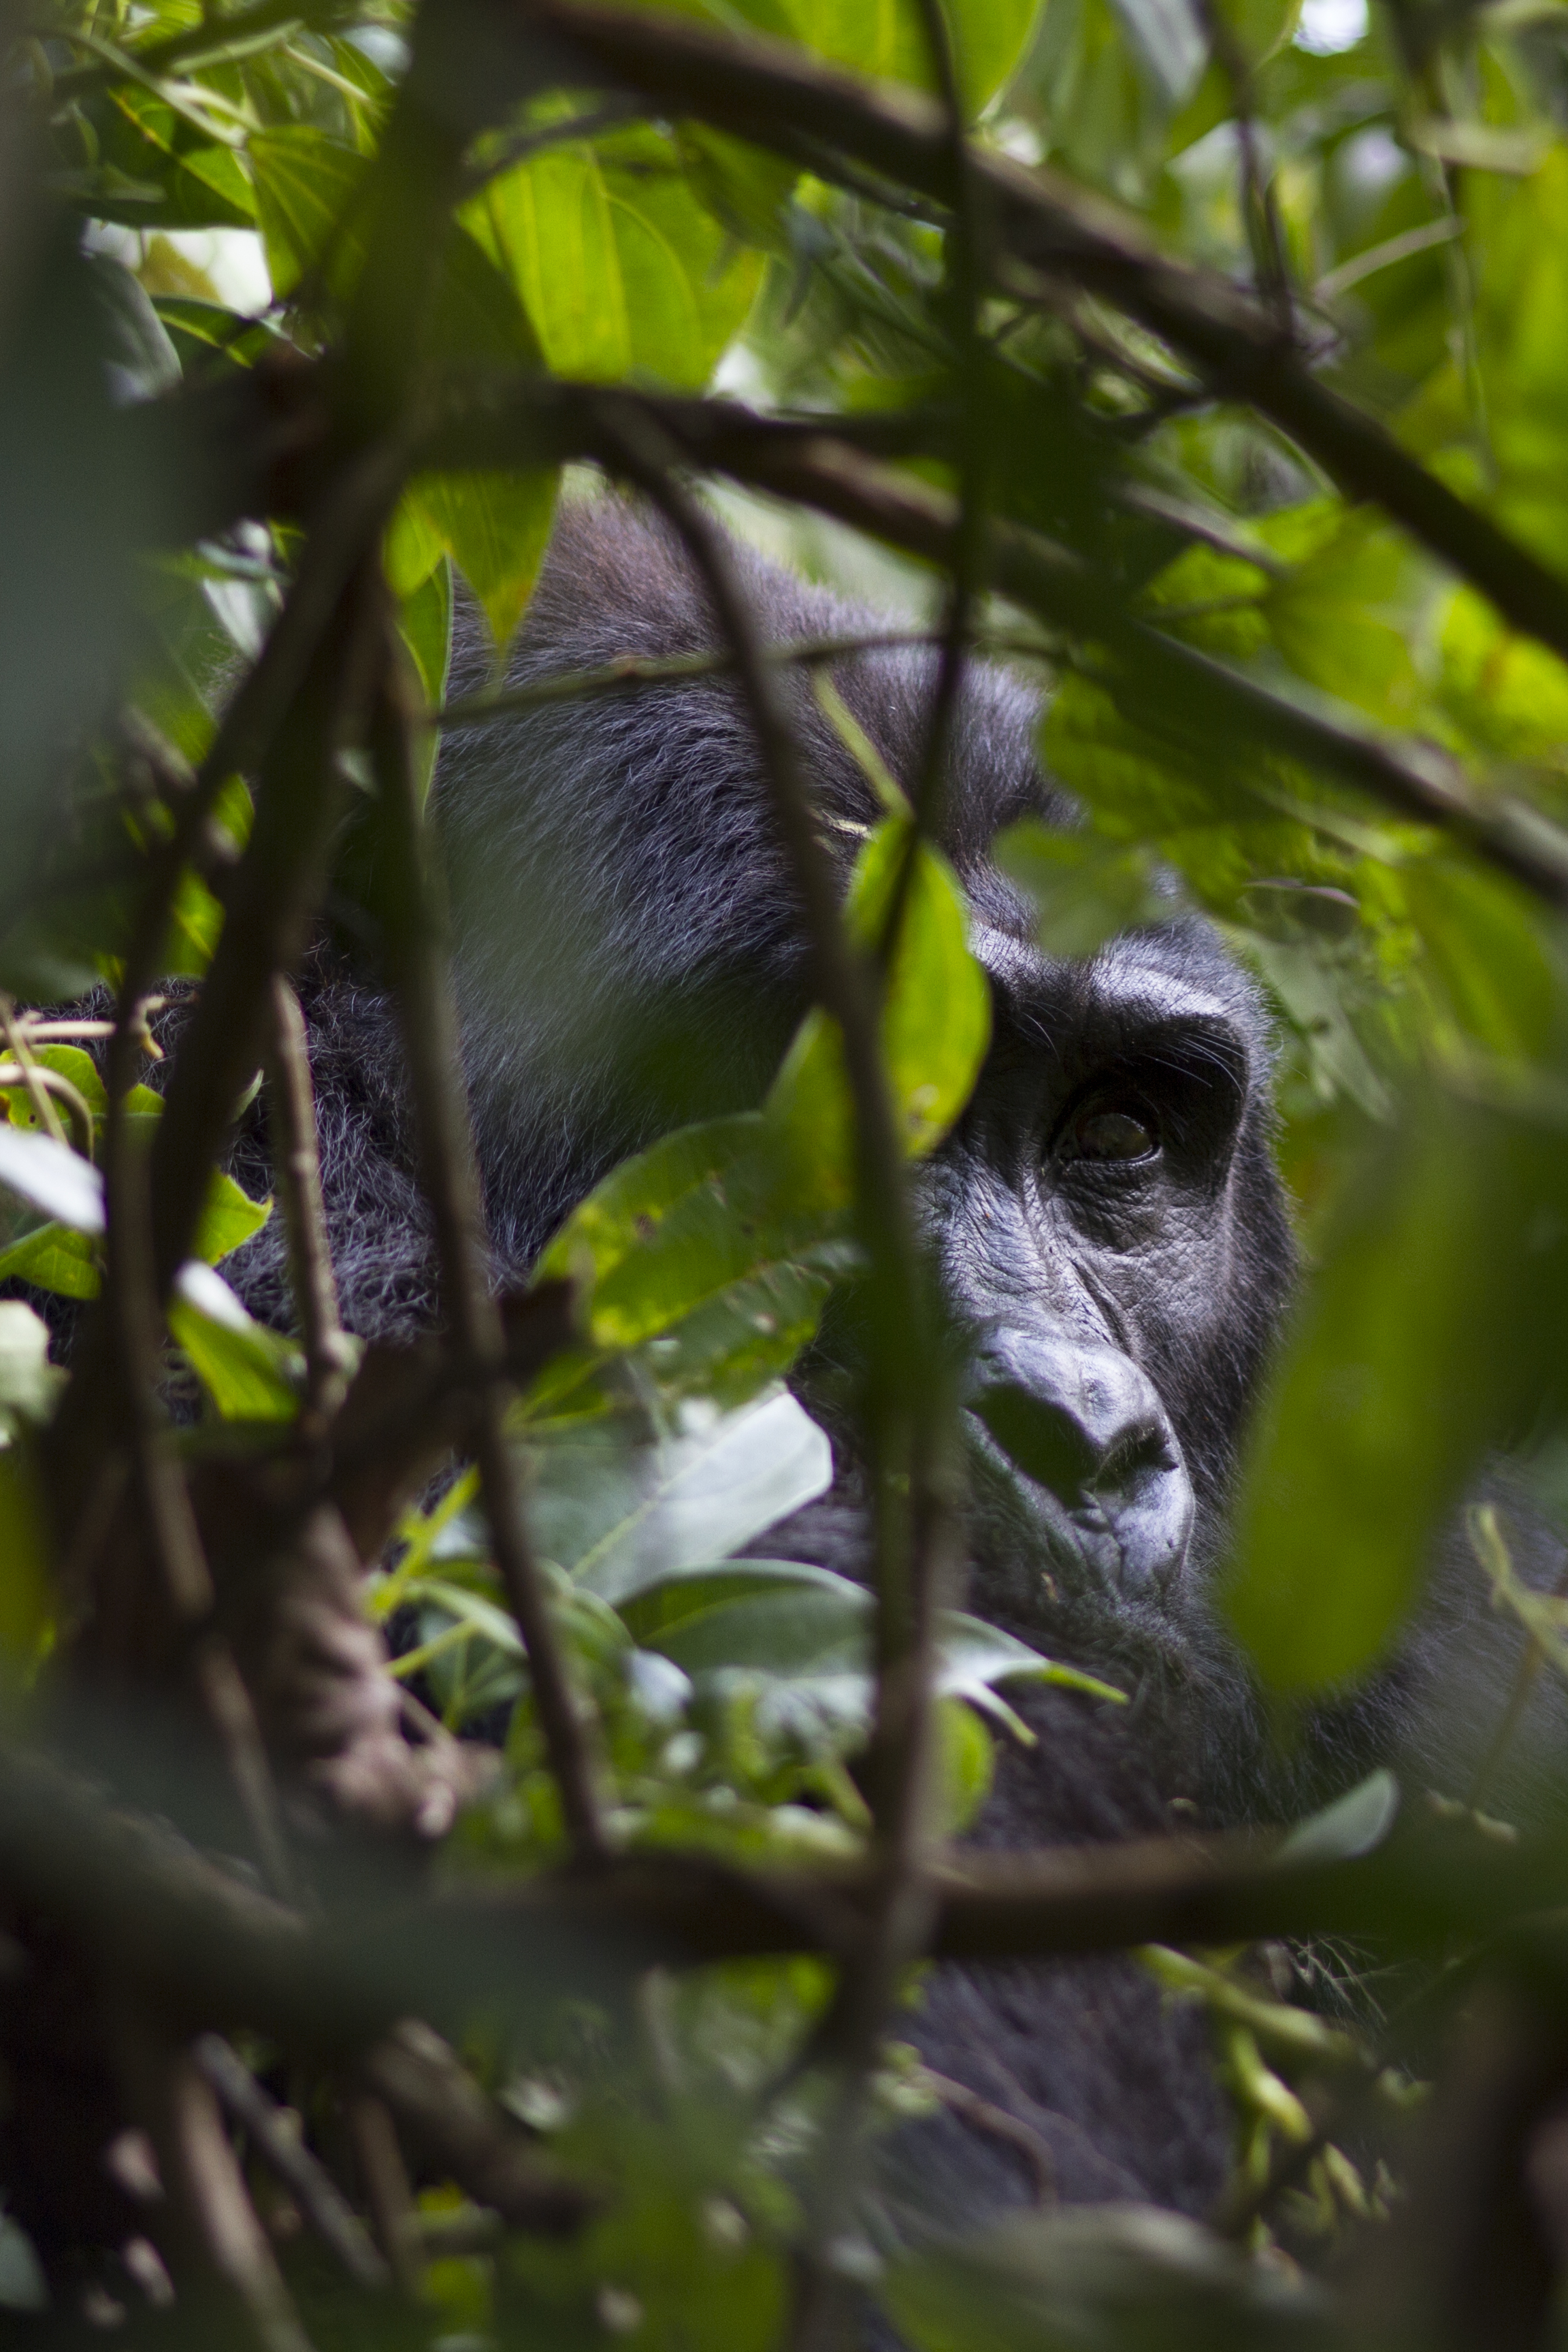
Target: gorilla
<point>1106,1223</point>
<point>1106,1220</point>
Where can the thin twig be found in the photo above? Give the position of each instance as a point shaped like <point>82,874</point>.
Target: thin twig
<point>1259,209</point>
<point>415,933</point>
<point>628,672</point>
<point>305,2176</point>
<point>984,2115</point>
<point>908,1433</point>
<point>296,1162</point>
<point>899,1362</point>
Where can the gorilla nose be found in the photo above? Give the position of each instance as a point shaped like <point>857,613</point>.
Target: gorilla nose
<point>1086,1425</point>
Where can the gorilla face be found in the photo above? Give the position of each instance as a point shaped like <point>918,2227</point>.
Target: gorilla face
<point>1110,1237</point>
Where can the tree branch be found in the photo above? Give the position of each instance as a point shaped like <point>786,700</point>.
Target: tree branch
<point>769,92</point>
<point>1158,676</point>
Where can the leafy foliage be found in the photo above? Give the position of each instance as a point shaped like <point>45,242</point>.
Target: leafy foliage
<point>306,314</point>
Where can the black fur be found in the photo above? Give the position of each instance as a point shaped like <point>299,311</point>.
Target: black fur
<point>628,956</point>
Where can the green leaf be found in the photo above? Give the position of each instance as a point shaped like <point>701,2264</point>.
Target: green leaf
<point>229,1218</point>
<point>813,1627</point>
<point>496,527</point>
<point>615,1516</point>
<point>1086,889</point>
<point>663,1602</point>
<point>1429,1334</point>
<point>691,1254</point>
<point>936,1025</point>
<point>248,1372</point>
<point>199,183</point>
<point>54,1258</point>
<point>307,193</point>
<point>425,620</point>
<point>889,42</point>
<point>622,268</point>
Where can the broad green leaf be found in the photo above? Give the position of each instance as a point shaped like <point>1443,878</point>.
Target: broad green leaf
<point>411,550</point>
<point>655,1608</point>
<point>496,527</point>
<point>201,184</point>
<point>1489,962</point>
<point>816,1629</point>
<point>1506,692</point>
<point>1340,617</point>
<point>229,1218</point>
<point>54,1257</point>
<point>691,1255</point>
<point>613,1516</point>
<point>1429,1336</point>
<point>622,268</point>
<point>886,38</point>
<point>936,1025</point>
<point>73,1064</point>
<point>624,1211</point>
<point>1086,889</point>
<point>249,1373</point>
<point>307,190</point>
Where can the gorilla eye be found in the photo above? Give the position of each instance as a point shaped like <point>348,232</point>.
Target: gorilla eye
<point>1118,1132</point>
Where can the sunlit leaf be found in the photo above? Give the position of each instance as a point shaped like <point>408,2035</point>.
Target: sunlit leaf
<point>229,1218</point>
<point>29,1383</point>
<point>936,1024</point>
<point>249,1373</point>
<point>622,268</point>
<point>496,527</point>
<point>614,1517</point>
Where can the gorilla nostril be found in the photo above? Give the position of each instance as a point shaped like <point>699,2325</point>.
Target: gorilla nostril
<point>1045,1445</point>
<point>1134,1454</point>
